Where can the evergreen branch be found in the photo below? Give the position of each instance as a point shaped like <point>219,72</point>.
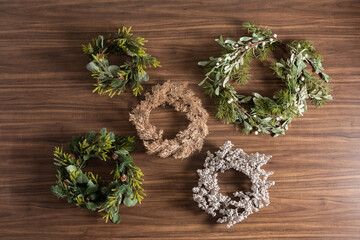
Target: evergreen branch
<point>265,115</point>
<point>112,79</point>
<point>87,190</point>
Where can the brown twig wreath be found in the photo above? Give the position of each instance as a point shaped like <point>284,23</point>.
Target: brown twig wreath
<point>183,100</point>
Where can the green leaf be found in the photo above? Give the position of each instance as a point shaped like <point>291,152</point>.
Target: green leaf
<point>92,67</point>
<point>92,206</point>
<point>202,82</point>
<point>257,95</point>
<point>143,77</point>
<point>247,126</point>
<point>116,218</point>
<point>100,42</point>
<point>247,25</point>
<point>122,152</point>
<point>203,63</point>
<point>103,132</point>
<point>217,90</point>
<point>325,76</point>
<point>244,39</point>
<point>71,168</point>
<point>58,191</point>
<point>91,187</point>
<point>82,178</point>
<point>230,41</point>
<point>130,200</point>
<point>114,69</point>
<point>218,74</point>
<point>246,99</point>
<point>90,136</point>
<point>112,136</point>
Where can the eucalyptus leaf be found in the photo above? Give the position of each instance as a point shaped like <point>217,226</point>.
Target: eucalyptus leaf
<point>82,178</point>
<point>130,200</point>
<point>143,77</point>
<point>91,187</point>
<point>116,218</point>
<point>71,168</point>
<point>103,132</point>
<point>92,67</point>
<point>114,69</point>
<point>122,152</point>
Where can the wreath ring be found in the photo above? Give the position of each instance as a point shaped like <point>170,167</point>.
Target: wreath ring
<point>86,189</point>
<point>262,114</point>
<point>112,79</point>
<point>182,100</point>
<point>207,194</point>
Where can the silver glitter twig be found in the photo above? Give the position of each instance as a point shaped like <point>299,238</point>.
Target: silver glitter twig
<point>207,194</point>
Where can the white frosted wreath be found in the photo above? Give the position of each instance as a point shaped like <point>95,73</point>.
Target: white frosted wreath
<point>207,193</point>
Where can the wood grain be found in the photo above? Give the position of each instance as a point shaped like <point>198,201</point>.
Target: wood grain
<point>45,94</point>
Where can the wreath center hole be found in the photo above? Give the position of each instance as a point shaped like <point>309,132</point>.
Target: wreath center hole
<point>118,59</point>
<point>100,167</point>
<point>169,120</point>
<point>262,79</point>
<point>233,181</point>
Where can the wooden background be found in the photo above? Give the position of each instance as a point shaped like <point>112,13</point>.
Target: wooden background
<point>45,94</point>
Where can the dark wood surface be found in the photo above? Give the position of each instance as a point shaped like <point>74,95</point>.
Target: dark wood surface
<point>45,94</point>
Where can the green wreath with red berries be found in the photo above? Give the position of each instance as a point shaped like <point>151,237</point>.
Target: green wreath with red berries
<point>86,189</point>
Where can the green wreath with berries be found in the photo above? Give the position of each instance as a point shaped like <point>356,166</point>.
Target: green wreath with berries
<point>112,79</point>
<point>257,113</point>
<point>86,189</point>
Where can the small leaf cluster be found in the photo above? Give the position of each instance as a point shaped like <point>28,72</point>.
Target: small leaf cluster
<point>86,189</point>
<point>257,113</point>
<point>234,63</point>
<point>113,79</point>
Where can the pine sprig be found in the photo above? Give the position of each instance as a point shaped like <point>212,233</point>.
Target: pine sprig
<point>261,114</point>
<point>87,190</point>
<point>113,79</point>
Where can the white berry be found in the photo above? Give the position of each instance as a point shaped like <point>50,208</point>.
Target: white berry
<point>256,132</point>
<point>297,89</point>
<point>302,78</point>
<point>275,35</point>
<point>217,64</point>
<point>236,45</point>
<point>255,116</point>
<point>299,46</point>
<point>230,100</point>
<point>277,119</point>
<point>271,39</point>
<point>246,47</point>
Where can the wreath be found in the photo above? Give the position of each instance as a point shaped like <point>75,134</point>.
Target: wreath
<point>86,189</point>
<point>207,193</point>
<point>112,79</point>
<point>257,113</point>
<point>183,100</point>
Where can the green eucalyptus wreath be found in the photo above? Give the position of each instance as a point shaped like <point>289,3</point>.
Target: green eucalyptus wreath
<point>86,189</point>
<point>256,113</point>
<point>112,79</point>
